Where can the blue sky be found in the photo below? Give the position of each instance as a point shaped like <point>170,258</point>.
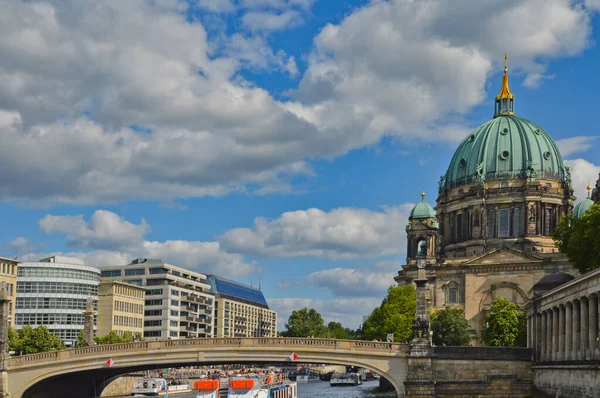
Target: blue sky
<point>275,140</point>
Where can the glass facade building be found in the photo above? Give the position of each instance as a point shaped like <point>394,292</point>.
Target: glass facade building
<point>53,292</point>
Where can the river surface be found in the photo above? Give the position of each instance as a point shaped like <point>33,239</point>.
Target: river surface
<point>322,389</point>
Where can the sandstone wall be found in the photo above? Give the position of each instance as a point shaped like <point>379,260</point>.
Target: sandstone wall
<point>573,381</point>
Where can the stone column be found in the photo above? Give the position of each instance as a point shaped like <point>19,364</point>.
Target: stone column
<point>88,324</point>
<point>4,303</point>
<point>593,324</point>
<point>549,338</point>
<point>561,333</point>
<point>576,329</point>
<point>543,336</point>
<point>555,333</point>
<point>568,331</point>
<point>583,327</point>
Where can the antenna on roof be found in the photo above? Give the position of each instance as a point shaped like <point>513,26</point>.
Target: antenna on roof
<point>259,284</point>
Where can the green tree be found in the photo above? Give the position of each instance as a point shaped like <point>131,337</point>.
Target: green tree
<point>305,323</point>
<point>395,315</point>
<point>450,328</point>
<point>80,338</point>
<point>579,239</point>
<point>505,324</point>
<point>14,341</point>
<point>337,331</point>
<point>31,341</point>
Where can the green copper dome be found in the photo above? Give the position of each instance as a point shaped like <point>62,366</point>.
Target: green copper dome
<point>582,207</point>
<point>421,211</point>
<point>505,147</point>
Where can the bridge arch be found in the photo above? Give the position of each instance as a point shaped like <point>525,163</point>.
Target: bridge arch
<point>83,371</point>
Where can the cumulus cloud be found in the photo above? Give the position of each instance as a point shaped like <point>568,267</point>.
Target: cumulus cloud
<point>105,230</point>
<point>269,21</point>
<point>592,4</point>
<point>347,311</point>
<point>17,246</point>
<point>571,145</point>
<point>402,67</point>
<point>371,281</point>
<point>582,174</point>
<point>148,106</point>
<point>115,241</point>
<point>343,233</point>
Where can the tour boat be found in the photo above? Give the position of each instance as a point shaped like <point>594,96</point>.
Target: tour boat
<point>253,386</point>
<point>345,379</point>
<point>157,387</point>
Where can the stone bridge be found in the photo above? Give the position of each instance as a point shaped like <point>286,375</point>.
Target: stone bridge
<point>83,372</point>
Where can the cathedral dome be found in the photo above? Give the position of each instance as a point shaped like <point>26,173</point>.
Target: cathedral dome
<point>422,210</point>
<point>505,147</point>
<point>582,207</point>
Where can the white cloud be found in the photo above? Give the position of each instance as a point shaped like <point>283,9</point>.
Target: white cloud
<point>582,174</point>
<point>115,241</point>
<point>17,246</point>
<point>171,117</point>
<point>403,67</point>
<point>343,233</point>
<point>592,4</point>
<point>268,21</point>
<point>371,281</point>
<point>347,311</point>
<point>105,230</point>
<point>571,145</point>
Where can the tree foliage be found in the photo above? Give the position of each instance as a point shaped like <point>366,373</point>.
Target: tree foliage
<point>114,338</point>
<point>305,323</point>
<point>395,315</point>
<point>30,340</point>
<point>450,328</point>
<point>505,325</point>
<point>579,239</point>
<point>336,330</point>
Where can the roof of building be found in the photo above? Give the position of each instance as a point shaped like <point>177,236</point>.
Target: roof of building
<point>225,288</point>
<point>553,280</point>
<point>582,207</point>
<point>505,147</point>
<point>422,210</point>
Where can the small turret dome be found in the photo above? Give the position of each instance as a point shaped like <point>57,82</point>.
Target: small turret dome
<point>422,210</point>
<point>553,280</point>
<point>582,207</point>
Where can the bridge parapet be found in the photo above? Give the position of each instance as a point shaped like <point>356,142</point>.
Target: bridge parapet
<point>281,342</point>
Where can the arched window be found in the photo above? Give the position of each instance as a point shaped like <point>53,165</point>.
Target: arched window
<point>422,248</point>
<point>452,293</point>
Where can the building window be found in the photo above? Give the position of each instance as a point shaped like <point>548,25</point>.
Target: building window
<point>459,227</point>
<point>516,224</point>
<point>422,248</point>
<point>475,218</point>
<point>175,292</point>
<point>158,270</point>
<point>452,295</point>
<point>504,223</point>
<point>137,271</point>
<point>504,184</point>
<point>108,274</point>
<point>491,223</point>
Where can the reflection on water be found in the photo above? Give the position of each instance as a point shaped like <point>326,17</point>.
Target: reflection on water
<point>322,389</point>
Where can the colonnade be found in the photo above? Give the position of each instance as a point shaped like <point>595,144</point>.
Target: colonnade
<point>567,331</point>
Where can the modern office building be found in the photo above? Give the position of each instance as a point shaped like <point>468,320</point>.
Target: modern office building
<point>120,308</point>
<point>8,277</point>
<point>241,310</point>
<point>53,292</point>
<point>178,301</point>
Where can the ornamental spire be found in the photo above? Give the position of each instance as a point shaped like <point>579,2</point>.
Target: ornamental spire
<point>505,100</point>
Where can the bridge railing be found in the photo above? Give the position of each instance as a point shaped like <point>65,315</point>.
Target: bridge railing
<point>292,342</point>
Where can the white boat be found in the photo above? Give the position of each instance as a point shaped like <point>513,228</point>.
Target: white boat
<point>255,386</point>
<point>158,387</point>
<point>345,379</point>
<point>307,378</point>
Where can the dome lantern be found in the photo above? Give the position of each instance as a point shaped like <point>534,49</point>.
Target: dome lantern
<point>505,100</point>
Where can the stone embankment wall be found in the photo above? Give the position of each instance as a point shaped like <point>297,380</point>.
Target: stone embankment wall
<point>571,381</point>
<point>482,372</point>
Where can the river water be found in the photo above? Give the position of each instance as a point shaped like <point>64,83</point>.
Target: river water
<point>322,389</point>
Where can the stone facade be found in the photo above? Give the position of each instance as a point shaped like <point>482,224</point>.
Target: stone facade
<point>564,333</point>
<point>8,276</point>
<point>120,308</point>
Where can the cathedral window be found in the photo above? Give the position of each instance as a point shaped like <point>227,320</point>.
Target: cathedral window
<point>459,228</point>
<point>453,295</point>
<point>491,223</point>
<point>516,224</point>
<point>504,223</point>
<point>476,218</point>
<point>422,248</point>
